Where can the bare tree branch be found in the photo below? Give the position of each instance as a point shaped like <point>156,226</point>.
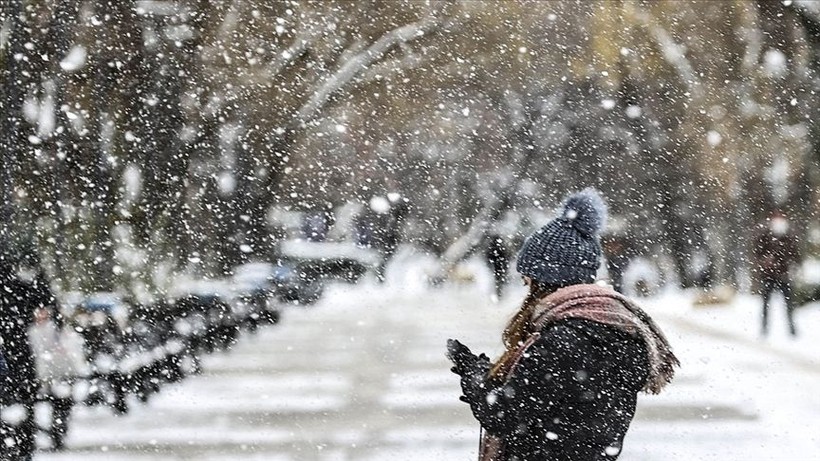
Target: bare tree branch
<point>356,64</point>
<point>809,14</point>
<point>521,160</point>
<point>406,62</point>
<point>808,7</point>
<point>751,34</point>
<point>230,20</point>
<point>305,37</point>
<point>673,52</point>
<point>299,46</point>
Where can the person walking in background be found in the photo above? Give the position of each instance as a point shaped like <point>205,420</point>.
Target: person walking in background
<point>60,358</point>
<point>775,250</point>
<point>577,354</point>
<point>379,228</point>
<point>499,262</point>
<point>615,245</point>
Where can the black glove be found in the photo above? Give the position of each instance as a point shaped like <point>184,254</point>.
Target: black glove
<point>461,356</point>
<point>472,369</point>
<point>464,360</point>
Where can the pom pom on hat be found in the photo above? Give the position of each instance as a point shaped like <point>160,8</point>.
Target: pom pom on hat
<point>586,211</point>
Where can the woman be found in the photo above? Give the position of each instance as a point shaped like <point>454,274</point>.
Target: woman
<point>577,354</point>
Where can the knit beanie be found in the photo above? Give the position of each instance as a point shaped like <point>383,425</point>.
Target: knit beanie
<point>566,251</point>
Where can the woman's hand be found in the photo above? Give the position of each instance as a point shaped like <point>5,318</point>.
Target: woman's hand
<point>472,369</point>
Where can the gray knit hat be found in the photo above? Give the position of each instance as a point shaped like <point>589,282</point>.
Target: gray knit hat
<point>566,251</point>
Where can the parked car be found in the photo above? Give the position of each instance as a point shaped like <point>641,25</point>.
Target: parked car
<point>329,260</point>
<point>283,280</point>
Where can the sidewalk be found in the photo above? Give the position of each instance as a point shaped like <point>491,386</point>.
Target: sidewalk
<point>737,396</point>
<point>739,321</point>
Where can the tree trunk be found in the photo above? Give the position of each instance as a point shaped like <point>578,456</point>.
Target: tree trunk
<point>11,139</point>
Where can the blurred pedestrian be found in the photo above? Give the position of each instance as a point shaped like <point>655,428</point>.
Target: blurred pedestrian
<point>379,228</point>
<point>577,354</point>
<point>775,250</point>
<point>615,246</point>
<point>703,268</point>
<point>498,260</point>
<point>60,360</point>
<point>20,385</point>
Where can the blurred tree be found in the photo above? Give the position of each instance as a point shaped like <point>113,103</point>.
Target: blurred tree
<point>13,86</point>
<point>169,128</point>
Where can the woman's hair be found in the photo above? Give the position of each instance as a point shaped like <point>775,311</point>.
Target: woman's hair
<point>520,325</point>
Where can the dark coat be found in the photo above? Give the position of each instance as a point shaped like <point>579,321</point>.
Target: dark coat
<point>570,398</point>
<point>774,254</point>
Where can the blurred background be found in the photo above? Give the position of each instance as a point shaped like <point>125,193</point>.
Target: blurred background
<point>146,134</point>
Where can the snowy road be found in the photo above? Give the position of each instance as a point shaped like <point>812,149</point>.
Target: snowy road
<point>362,376</point>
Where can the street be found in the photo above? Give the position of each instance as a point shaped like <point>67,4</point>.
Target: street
<point>362,376</point>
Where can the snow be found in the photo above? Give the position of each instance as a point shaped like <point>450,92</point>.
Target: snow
<point>379,204</point>
<point>714,138</point>
<point>362,375</point>
<point>775,63</point>
<point>46,121</point>
<point>633,111</point>
<point>227,182</point>
<point>303,249</point>
<point>75,59</point>
<point>158,7</point>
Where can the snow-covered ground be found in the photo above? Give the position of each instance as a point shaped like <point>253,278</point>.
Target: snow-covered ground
<point>362,376</point>
<point>739,396</point>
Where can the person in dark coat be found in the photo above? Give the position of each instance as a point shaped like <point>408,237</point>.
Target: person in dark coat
<point>379,228</point>
<point>577,354</point>
<point>497,258</point>
<point>616,249</point>
<point>775,250</point>
<point>20,385</point>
